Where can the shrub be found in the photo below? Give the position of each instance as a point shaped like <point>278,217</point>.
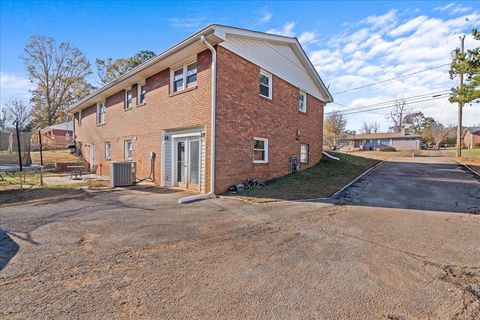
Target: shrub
<point>477,145</point>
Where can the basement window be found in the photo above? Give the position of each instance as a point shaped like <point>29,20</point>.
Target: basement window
<point>304,153</point>
<point>128,149</point>
<point>260,150</point>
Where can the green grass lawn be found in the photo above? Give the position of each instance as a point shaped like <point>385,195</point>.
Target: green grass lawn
<point>321,180</point>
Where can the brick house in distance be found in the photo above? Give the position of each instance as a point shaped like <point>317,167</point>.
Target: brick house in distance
<point>471,137</point>
<point>223,105</point>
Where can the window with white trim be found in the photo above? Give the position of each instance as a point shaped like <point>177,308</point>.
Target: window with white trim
<point>108,150</point>
<point>101,111</point>
<point>128,148</point>
<point>184,77</point>
<point>79,118</point>
<point>260,150</point>
<point>265,84</point>
<point>304,153</point>
<point>128,99</point>
<point>142,93</point>
<point>302,101</point>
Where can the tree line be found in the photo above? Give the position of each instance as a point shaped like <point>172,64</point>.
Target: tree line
<point>61,75</point>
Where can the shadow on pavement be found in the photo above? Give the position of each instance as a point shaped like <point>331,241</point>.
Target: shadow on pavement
<point>8,248</point>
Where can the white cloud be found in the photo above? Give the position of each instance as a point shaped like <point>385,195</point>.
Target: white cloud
<point>408,26</point>
<point>307,37</point>
<point>286,30</point>
<point>13,86</point>
<point>445,7</point>
<point>390,45</point>
<point>189,23</point>
<point>265,17</point>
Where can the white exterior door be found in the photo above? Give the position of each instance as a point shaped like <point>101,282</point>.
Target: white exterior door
<point>187,162</point>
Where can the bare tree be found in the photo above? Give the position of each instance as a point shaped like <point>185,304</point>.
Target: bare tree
<point>18,110</point>
<point>438,132</point>
<point>368,128</point>
<point>59,73</point>
<point>334,130</point>
<point>397,115</point>
<point>3,118</point>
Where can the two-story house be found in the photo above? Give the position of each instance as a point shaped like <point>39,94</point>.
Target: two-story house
<point>223,105</point>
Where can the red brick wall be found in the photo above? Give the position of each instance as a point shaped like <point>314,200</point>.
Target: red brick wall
<point>144,124</point>
<point>243,114</point>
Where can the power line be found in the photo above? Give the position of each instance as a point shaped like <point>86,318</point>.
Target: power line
<point>392,105</point>
<point>391,79</point>
<point>424,95</point>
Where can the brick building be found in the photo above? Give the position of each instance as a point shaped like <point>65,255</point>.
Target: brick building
<point>249,101</point>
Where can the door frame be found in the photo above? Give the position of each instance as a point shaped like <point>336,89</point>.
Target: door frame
<point>186,137</point>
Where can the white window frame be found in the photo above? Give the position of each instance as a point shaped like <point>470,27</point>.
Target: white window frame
<point>308,152</point>
<point>126,106</point>
<point>108,150</point>
<point>304,101</point>
<point>139,92</point>
<point>265,149</point>
<point>183,66</point>
<point>125,150</point>
<point>99,108</point>
<point>270,83</point>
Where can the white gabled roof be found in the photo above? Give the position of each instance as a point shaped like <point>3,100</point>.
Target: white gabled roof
<point>264,49</point>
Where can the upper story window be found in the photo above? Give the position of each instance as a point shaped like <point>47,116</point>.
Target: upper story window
<point>142,92</point>
<point>265,84</point>
<point>260,150</point>
<point>184,77</point>
<point>302,101</point>
<point>128,99</point>
<point>101,111</point>
<point>80,118</point>
<point>128,149</point>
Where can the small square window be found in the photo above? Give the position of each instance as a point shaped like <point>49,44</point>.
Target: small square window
<point>128,99</point>
<point>128,149</point>
<point>302,101</point>
<point>107,150</point>
<point>265,84</point>
<point>304,153</point>
<point>260,150</point>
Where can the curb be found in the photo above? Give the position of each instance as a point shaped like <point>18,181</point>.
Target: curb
<point>355,180</point>
<point>468,168</point>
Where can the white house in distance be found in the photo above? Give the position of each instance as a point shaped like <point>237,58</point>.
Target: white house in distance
<point>377,141</point>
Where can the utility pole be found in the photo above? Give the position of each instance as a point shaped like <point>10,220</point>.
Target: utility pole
<point>460,104</point>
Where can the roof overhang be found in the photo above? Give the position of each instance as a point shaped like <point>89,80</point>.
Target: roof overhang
<point>214,34</point>
<point>162,61</point>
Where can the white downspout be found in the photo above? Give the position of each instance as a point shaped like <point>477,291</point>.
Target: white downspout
<point>212,130</point>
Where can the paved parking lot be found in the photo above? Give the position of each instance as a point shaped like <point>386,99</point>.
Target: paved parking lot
<point>437,184</point>
<point>137,254</point>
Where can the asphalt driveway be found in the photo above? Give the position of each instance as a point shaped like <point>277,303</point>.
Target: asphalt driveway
<point>436,184</point>
<point>137,254</point>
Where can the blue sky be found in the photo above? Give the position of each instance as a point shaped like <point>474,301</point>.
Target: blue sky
<point>350,43</point>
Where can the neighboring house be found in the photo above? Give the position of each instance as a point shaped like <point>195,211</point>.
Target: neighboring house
<point>221,106</point>
<point>374,141</point>
<point>471,137</point>
<point>57,136</point>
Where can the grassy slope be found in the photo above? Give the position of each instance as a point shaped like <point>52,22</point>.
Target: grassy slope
<point>321,180</point>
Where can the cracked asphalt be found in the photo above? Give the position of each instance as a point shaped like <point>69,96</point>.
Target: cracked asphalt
<point>137,254</point>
